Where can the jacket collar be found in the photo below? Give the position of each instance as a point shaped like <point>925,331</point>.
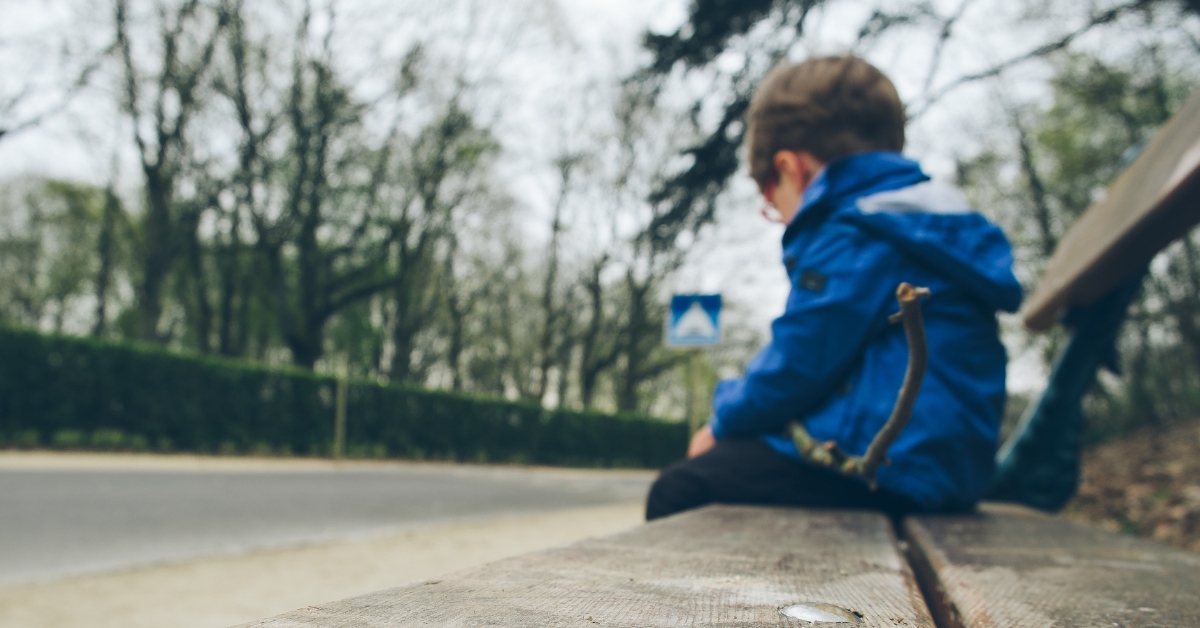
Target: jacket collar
<point>846,179</point>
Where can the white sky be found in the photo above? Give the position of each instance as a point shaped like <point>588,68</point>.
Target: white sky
<point>543,84</point>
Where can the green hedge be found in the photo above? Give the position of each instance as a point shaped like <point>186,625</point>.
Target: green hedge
<point>67,392</point>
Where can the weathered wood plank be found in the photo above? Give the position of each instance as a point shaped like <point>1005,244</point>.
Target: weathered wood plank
<point>1016,567</point>
<point>718,566</point>
<point>1153,202</point>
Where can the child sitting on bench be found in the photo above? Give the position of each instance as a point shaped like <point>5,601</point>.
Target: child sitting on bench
<point>823,141</point>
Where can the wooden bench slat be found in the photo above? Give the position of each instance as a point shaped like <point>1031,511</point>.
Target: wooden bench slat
<point>717,566</point>
<point>1015,567</point>
<point>1153,202</point>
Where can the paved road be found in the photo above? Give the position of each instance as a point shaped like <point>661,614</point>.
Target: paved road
<point>69,521</point>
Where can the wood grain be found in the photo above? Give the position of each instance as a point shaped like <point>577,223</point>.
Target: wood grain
<point>1153,202</point>
<point>1017,567</point>
<point>717,566</point>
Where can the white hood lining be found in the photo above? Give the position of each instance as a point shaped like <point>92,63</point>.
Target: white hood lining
<point>930,197</point>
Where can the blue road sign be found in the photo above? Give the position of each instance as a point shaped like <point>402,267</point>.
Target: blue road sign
<point>695,320</point>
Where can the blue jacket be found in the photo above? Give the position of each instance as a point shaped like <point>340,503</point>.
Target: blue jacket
<point>867,223</point>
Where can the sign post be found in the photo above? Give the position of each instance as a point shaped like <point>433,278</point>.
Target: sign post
<point>339,412</point>
<point>695,396</point>
<point>694,322</point>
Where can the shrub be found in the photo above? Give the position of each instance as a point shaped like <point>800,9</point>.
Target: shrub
<point>67,439</point>
<point>108,439</point>
<point>26,439</point>
<point>137,442</point>
<point>129,397</point>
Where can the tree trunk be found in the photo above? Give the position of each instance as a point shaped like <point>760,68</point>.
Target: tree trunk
<point>458,318</point>
<point>404,331</point>
<point>159,247</point>
<point>1187,315</point>
<point>203,309</point>
<point>1141,398</point>
<point>229,261</point>
<point>628,398</point>
<point>105,250</point>
<point>592,359</point>
<point>1037,190</point>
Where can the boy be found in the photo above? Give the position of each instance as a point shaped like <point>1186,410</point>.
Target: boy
<point>824,140</point>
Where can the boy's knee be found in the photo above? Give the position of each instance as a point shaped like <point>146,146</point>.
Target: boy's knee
<point>677,489</point>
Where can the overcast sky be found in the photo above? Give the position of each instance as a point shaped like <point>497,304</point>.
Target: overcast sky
<point>561,49</point>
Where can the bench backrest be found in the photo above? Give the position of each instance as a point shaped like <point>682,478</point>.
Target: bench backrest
<point>1153,202</point>
<point>1096,271</point>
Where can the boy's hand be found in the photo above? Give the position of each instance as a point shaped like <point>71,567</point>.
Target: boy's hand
<point>702,441</point>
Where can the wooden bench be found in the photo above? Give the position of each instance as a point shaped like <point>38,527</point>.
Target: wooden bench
<point>1093,276</point>
<point>717,566</point>
<point>1004,566</point>
<point>744,565</point>
<point>1010,566</point>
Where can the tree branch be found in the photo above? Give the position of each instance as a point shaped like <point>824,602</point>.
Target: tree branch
<point>828,454</point>
<point>1099,19</point>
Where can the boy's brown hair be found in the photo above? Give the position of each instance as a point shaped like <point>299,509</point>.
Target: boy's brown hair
<point>829,106</point>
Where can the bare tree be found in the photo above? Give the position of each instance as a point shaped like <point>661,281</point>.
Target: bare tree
<point>553,314</point>
<point>162,102</point>
<point>440,176</point>
<point>326,249</point>
<point>634,355</point>
<point>242,263</point>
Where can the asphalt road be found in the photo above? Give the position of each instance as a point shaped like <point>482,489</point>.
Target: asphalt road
<point>63,522</point>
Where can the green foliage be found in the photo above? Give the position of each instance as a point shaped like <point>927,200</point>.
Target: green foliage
<point>67,439</point>
<point>332,221</point>
<point>47,251</point>
<point>710,26</point>
<point>1102,114</point>
<point>690,194</point>
<point>735,43</point>
<point>74,393</point>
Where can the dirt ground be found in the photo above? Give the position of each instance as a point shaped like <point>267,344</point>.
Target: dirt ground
<point>219,592</point>
<point>1147,483</point>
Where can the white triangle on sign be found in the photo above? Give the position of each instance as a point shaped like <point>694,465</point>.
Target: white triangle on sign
<point>695,323</point>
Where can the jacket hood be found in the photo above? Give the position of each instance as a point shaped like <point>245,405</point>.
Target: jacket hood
<point>888,196</point>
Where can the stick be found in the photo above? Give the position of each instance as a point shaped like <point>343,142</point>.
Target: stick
<point>828,454</point>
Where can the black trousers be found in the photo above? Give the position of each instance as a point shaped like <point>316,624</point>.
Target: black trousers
<point>748,471</point>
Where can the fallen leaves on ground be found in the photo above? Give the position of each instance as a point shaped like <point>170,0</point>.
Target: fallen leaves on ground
<point>1146,483</point>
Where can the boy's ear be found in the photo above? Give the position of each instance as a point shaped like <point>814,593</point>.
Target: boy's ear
<point>798,166</point>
